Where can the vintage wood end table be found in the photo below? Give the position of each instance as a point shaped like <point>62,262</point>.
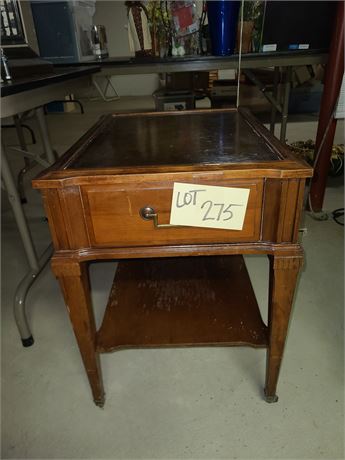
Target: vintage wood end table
<point>109,197</point>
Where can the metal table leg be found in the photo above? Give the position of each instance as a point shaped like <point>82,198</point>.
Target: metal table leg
<point>36,265</point>
<point>103,93</point>
<point>20,297</point>
<point>272,98</point>
<point>24,170</point>
<point>285,110</point>
<point>275,93</point>
<point>14,199</point>
<point>45,135</point>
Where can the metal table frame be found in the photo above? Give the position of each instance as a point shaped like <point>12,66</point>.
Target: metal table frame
<point>283,62</point>
<point>133,66</point>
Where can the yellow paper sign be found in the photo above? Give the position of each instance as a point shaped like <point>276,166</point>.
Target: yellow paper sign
<point>208,206</point>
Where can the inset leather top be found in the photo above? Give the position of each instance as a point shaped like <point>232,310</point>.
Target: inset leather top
<point>170,142</point>
<point>174,139</point>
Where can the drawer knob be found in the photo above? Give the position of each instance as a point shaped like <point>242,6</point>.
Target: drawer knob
<point>148,213</point>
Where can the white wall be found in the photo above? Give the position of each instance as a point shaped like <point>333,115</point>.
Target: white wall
<point>113,15</point>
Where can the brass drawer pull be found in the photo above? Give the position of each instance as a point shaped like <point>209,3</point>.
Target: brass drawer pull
<point>148,213</point>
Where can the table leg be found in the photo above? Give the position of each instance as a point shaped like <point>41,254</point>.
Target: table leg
<point>36,265</point>
<point>19,307</point>
<point>283,279</point>
<point>286,98</point>
<point>74,281</point>
<point>45,135</point>
<point>102,92</point>
<point>19,215</point>
<point>24,170</point>
<point>275,93</point>
<point>20,297</point>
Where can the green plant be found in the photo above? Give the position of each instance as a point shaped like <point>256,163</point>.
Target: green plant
<point>251,10</point>
<point>159,18</point>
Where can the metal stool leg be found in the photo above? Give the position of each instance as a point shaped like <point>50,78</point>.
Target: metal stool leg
<point>66,101</point>
<point>31,131</point>
<point>32,134</point>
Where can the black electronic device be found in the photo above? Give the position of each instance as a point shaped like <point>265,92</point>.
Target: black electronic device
<point>18,59</point>
<point>63,29</point>
<point>297,25</point>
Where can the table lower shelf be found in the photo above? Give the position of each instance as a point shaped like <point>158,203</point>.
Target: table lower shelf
<point>181,301</point>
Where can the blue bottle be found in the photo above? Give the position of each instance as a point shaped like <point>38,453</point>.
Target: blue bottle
<point>222,23</point>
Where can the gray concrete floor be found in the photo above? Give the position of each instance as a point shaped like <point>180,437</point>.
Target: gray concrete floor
<point>172,403</point>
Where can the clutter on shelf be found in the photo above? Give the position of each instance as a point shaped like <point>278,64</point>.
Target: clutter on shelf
<point>178,28</point>
<point>306,150</point>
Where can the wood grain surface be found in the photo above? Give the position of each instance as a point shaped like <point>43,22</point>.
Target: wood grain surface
<point>175,286</point>
<point>189,301</point>
<point>113,215</point>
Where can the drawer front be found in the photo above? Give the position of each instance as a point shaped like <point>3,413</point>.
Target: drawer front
<point>113,216</point>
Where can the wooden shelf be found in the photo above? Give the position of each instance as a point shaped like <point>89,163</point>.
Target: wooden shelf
<point>181,301</point>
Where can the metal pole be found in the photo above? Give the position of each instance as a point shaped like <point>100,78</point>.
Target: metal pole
<point>327,123</point>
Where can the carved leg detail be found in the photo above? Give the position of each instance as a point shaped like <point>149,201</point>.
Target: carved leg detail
<point>74,281</point>
<point>283,278</point>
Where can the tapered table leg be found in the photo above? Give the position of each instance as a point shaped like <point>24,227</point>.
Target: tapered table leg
<point>74,281</point>
<point>283,278</point>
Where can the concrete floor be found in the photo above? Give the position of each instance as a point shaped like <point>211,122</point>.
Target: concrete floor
<point>172,403</point>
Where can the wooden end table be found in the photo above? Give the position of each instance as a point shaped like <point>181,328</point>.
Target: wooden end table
<point>175,285</point>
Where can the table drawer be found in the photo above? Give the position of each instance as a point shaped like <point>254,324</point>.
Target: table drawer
<point>113,215</point>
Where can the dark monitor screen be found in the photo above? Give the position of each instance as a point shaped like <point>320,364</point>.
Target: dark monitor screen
<point>298,24</point>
